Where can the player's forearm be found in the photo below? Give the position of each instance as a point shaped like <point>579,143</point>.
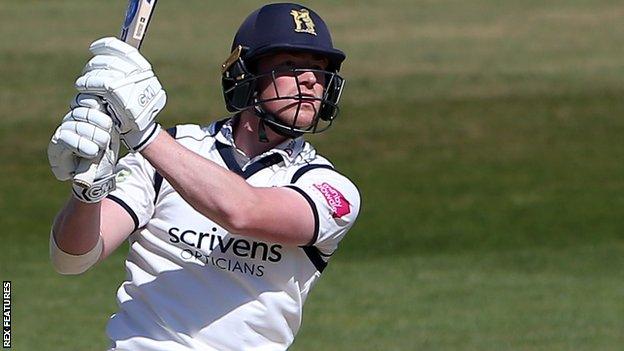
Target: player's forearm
<point>77,227</point>
<point>212,190</point>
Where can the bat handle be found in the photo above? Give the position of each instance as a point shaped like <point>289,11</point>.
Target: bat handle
<point>85,173</point>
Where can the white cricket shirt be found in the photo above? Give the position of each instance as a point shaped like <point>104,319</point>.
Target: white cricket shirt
<point>191,285</point>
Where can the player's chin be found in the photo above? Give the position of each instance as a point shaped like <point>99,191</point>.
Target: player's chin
<point>300,114</point>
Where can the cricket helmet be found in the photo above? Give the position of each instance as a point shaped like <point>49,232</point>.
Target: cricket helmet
<point>281,27</point>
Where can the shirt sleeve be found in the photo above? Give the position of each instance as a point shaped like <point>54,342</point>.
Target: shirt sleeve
<point>135,188</point>
<point>335,202</point>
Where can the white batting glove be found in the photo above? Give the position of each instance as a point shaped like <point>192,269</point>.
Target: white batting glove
<point>124,78</point>
<point>86,133</point>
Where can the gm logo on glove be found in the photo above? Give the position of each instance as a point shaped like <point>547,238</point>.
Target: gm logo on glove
<point>146,96</point>
<point>98,190</point>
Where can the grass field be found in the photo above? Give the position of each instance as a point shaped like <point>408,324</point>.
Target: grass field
<point>485,137</point>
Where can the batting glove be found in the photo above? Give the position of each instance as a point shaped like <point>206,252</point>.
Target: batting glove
<point>85,134</point>
<point>124,78</point>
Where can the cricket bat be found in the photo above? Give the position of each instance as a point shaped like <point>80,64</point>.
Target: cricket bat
<point>133,31</point>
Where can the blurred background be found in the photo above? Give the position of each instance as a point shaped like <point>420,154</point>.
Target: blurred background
<point>485,137</point>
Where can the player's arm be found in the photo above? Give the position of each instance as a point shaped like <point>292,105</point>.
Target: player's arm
<point>275,214</point>
<point>86,229</point>
<point>79,226</point>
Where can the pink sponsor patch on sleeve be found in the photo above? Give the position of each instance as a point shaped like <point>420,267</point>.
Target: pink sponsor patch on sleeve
<point>339,204</point>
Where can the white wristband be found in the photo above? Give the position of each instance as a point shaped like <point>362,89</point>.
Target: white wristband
<point>66,263</point>
<point>138,140</point>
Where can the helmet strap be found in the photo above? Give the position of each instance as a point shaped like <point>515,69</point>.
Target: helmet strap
<point>268,119</point>
<point>262,136</point>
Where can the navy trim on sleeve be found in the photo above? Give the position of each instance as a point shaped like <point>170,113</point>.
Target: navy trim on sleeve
<point>125,206</point>
<point>301,171</point>
<point>325,255</point>
<point>314,255</point>
<point>158,178</point>
<point>314,212</point>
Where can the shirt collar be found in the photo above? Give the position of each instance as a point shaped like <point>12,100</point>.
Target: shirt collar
<point>289,149</point>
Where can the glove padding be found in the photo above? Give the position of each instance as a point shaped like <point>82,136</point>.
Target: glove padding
<point>125,80</point>
<point>86,133</point>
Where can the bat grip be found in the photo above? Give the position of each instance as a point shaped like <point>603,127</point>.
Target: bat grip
<point>85,173</point>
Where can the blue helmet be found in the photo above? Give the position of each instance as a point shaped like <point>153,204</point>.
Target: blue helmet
<point>281,27</point>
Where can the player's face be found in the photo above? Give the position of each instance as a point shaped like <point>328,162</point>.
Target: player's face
<point>304,88</point>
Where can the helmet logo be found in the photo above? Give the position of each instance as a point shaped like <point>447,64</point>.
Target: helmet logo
<point>303,21</point>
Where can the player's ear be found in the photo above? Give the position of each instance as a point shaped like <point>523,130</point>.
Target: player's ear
<point>238,89</point>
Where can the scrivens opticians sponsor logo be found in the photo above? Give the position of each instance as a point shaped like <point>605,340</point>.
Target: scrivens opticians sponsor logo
<point>237,246</point>
<point>208,248</point>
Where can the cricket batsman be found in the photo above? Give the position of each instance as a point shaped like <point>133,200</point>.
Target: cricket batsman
<point>229,224</point>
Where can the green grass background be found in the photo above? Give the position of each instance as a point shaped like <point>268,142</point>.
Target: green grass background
<point>484,135</point>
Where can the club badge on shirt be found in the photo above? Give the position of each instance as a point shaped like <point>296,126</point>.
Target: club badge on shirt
<point>123,175</point>
<point>338,203</point>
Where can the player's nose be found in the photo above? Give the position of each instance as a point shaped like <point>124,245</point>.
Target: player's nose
<point>308,78</point>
